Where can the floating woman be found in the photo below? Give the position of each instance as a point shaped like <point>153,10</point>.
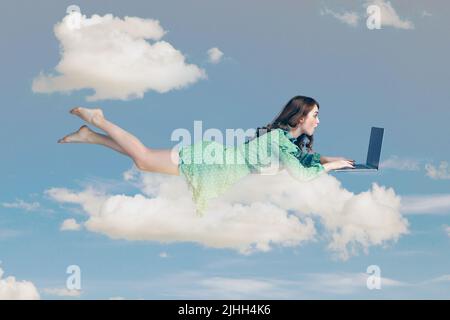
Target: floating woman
<point>284,137</point>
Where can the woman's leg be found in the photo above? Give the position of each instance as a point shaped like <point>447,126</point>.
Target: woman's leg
<point>86,135</point>
<point>146,159</point>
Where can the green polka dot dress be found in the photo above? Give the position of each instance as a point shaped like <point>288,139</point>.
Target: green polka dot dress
<point>210,168</point>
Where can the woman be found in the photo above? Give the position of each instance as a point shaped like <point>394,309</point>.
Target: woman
<point>281,140</point>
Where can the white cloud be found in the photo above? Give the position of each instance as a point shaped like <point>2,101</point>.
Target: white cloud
<point>426,14</point>
<point>440,279</point>
<point>425,204</point>
<point>403,164</point>
<point>389,16</point>
<point>163,255</point>
<point>20,204</point>
<point>91,199</point>
<point>194,285</point>
<point>323,283</point>
<point>235,286</point>
<point>70,225</point>
<point>113,57</point>
<point>350,18</point>
<point>305,286</point>
<point>62,292</point>
<point>447,230</point>
<point>131,174</point>
<point>442,172</point>
<point>214,55</point>
<point>11,289</point>
<point>344,283</point>
<point>279,211</point>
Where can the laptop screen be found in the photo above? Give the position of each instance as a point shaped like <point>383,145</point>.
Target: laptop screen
<point>373,154</point>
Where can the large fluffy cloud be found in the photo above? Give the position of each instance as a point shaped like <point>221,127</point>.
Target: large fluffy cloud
<point>11,289</point>
<point>113,57</point>
<point>258,212</point>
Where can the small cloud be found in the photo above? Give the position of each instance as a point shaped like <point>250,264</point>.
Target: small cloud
<point>441,279</point>
<point>344,283</point>
<point>70,225</point>
<point>236,286</point>
<point>114,57</point>
<point>389,16</point>
<point>426,204</point>
<point>447,230</point>
<point>8,233</point>
<point>117,298</point>
<point>350,18</point>
<point>20,204</point>
<point>442,172</point>
<point>11,289</point>
<point>426,14</point>
<point>163,255</point>
<point>62,292</point>
<point>194,285</point>
<point>131,174</point>
<point>403,164</point>
<point>214,55</point>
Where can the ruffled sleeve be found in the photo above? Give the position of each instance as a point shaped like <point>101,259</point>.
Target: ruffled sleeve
<point>310,159</point>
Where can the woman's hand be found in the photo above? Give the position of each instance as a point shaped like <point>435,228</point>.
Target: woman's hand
<point>345,159</point>
<point>324,160</point>
<point>338,164</point>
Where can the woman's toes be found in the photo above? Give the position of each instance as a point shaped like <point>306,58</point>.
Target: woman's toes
<point>75,110</point>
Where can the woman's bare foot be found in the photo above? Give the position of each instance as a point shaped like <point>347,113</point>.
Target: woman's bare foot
<point>92,116</point>
<point>83,135</point>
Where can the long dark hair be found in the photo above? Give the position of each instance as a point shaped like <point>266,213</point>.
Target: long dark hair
<point>289,117</point>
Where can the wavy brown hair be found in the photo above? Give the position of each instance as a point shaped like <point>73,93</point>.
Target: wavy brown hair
<point>289,117</point>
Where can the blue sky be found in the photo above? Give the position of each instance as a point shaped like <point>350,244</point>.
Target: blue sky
<point>395,77</point>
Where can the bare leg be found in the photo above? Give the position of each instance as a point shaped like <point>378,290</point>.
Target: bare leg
<point>86,135</point>
<point>146,159</point>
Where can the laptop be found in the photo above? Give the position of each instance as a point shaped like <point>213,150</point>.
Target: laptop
<point>373,153</point>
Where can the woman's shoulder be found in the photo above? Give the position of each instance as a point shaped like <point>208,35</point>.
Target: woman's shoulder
<point>277,132</point>
<point>281,134</point>
<point>279,137</point>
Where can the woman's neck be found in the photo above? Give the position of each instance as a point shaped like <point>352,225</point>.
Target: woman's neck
<point>295,132</point>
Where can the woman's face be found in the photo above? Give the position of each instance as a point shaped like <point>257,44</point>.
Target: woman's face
<point>310,122</point>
